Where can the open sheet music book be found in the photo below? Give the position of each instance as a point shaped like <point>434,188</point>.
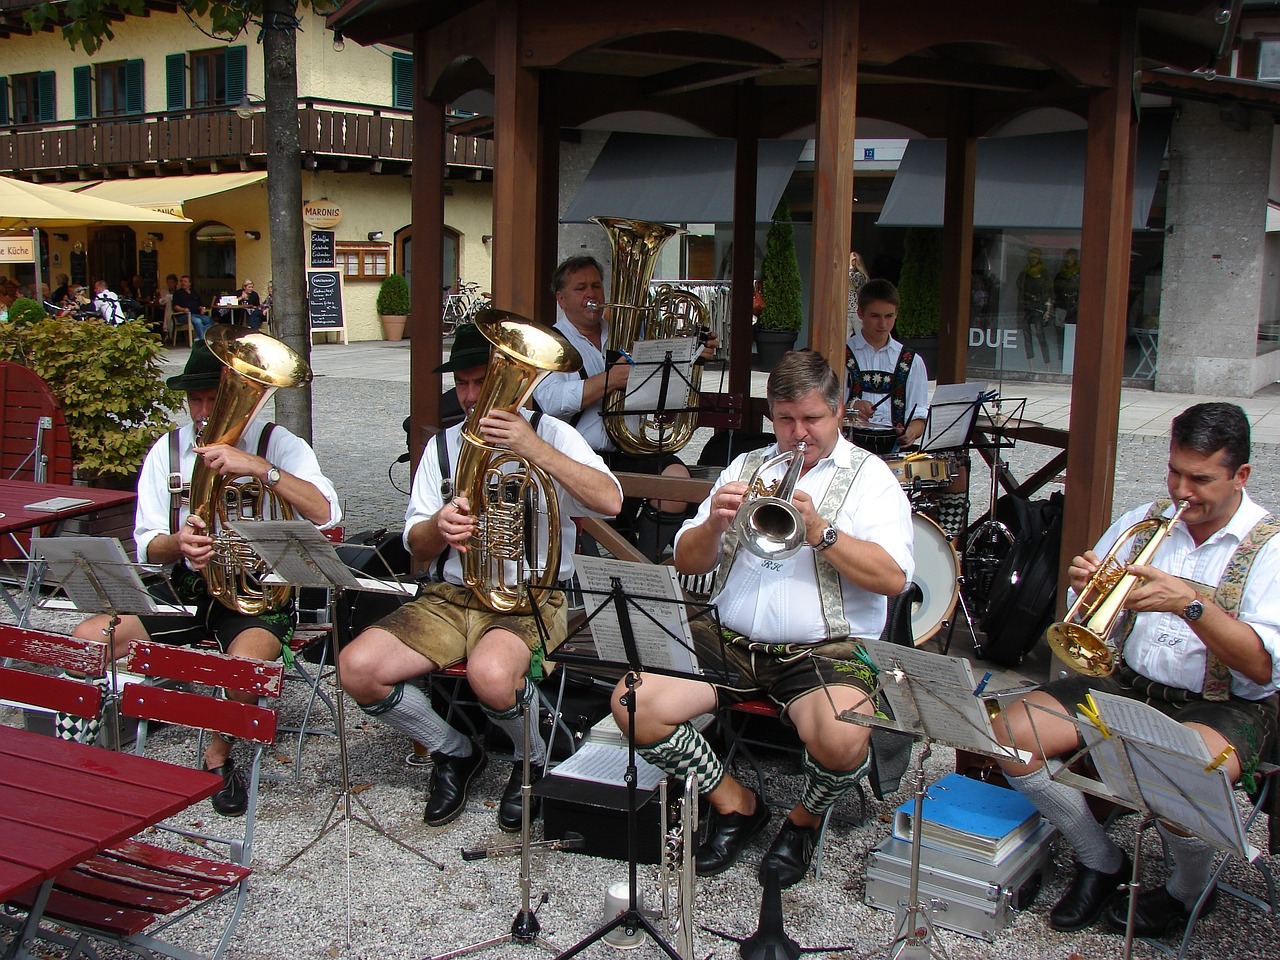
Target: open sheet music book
<point>644,380</point>
<point>97,576</point>
<point>298,554</point>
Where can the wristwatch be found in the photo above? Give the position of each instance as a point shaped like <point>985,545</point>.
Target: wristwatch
<point>827,538</point>
<point>1193,610</point>
<point>273,476</point>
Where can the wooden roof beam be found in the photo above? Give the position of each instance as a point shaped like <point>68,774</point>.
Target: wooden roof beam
<point>699,77</point>
<point>950,73</point>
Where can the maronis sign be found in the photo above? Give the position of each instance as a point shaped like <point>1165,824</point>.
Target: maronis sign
<point>17,250</point>
<point>321,214</point>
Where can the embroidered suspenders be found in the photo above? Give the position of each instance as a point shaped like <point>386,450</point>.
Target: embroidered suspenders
<point>880,381</point>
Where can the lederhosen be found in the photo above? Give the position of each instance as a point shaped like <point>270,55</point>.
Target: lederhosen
<point>881,381</point>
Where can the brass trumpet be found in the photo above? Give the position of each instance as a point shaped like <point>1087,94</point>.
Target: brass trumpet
<point>1081,639</point>
<point>767,523</point>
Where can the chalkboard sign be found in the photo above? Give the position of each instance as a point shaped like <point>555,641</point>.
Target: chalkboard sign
<point>149,270</point>
<point>324,301</point>
<point>79,268</point>
<point>321,248</point>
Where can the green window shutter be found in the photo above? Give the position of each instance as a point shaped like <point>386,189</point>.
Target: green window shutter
<point>82,87</point>
<point>4,101</point>
<point>402,80</point>
<point>48,96</point>
<point>237,69</point>
<point>175,81</point>
<point>133,89</point>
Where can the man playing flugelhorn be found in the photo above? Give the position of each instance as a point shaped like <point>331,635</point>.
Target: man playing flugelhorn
<point>791,625</point>
<point>449,622</point>
<point>1210,659</point>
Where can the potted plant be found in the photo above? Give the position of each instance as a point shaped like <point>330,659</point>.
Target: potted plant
<point>25,311</point>
<point>920,294</point>
<point>393,306</point>
<point>780,286</point>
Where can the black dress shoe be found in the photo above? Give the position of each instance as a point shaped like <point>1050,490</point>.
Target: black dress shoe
<point>1087,896</point>
<point>1157,913</point>
<point>450,780</point>
<point>233,799</point>
<point>792,851</point>
<point>727,834</point>
<point>509,811</point>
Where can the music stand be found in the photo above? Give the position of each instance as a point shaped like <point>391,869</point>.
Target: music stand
<point>659,369</point>
<point>638,638</point>
<point>97,577</point>
<point>935,698</point>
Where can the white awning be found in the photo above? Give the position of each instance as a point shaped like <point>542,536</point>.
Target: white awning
<point>168,194</point>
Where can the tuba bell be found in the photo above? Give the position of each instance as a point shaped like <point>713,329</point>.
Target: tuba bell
<point>768,523</point>
<point>255,366</point>
<point>1082,639</point>
<point>508,495</point>
<point>634,315</point>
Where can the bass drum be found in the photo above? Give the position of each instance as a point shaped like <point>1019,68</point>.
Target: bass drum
<point>937,576</point>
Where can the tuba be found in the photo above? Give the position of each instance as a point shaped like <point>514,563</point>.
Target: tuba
<point>508,496</point>
<point>256,365</point>
<point>768,523</point>
<point>1081,639</point>
<point>633,316</point>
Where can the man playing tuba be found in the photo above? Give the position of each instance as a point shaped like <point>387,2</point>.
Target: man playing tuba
<point>1209,659</point>
<point>167,531</point>
<point>449,622</point>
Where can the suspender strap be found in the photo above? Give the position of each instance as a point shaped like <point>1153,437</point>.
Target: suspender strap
<point>175,481</point>
<point>265,440</point>
<point>446,491</point>
<point>853,377</point>
<point>830,591</point>
<point>877,381</point>
<point>729,543</point>
<point>573,421</point>
<point>900,374</point>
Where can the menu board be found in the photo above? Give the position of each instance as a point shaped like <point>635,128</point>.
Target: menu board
<point>324,301</point>
<point>321,248</point>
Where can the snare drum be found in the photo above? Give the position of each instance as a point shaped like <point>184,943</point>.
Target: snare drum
<point>873,438</point>
<point>922,470</point>
<point>937,576</point>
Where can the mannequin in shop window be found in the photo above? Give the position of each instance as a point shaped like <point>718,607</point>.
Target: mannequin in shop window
<point>1035,305</point>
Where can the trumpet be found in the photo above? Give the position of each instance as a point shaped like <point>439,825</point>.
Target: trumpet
<point>767,523</point>
<point>1082,639</point>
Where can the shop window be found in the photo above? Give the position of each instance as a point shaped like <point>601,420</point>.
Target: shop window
<point>363,261</point>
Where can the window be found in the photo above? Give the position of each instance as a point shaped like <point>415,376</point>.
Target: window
<point>1269,60</point>
<point>217,77</point>
<point>33,97</point>
<point>402,80</point>
<point>119,88</point>
<point>362,261</point>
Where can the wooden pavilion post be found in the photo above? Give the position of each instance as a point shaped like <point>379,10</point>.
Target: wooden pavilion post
<point>745,160</point>
<point>833,180</point>
<point>957,241</point>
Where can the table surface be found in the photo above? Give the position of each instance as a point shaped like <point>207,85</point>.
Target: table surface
<point>16,494</point>
<point>62,802</point>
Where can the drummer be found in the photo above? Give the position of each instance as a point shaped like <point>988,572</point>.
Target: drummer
<point>887,384</point>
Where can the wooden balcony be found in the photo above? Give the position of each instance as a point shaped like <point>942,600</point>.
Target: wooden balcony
<point>334,136</point>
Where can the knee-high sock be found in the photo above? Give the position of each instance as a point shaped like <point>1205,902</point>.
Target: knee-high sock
<point>684,752</point>
<point>1067,810</point>
<point>823,787</point>
<point>407,709</point>
<point>1189,870</point>
<point>511,723</point>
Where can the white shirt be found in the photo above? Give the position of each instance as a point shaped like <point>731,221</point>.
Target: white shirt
<point>778,602</point>
<point>560,394</point>
<point>886,360</point>
<point>426,499</point>
<point>1163,646</point>
<point>284,450</point>
<point>108,306</point>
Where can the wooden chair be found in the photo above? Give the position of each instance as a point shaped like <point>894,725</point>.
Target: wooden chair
<point>51,693</point>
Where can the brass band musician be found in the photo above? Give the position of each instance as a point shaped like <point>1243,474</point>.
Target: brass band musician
<point>448,622</point>
<point>1209,658</point>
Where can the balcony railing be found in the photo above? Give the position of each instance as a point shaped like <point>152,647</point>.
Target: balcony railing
<point>330,133</point>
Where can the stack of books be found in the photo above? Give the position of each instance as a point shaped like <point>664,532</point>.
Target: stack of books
<point>970,818</point>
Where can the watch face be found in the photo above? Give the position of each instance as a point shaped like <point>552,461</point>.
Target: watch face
<point>273,476</point>
<point>1193,610</point>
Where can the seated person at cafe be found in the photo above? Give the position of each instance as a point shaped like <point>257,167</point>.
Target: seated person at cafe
<point>887,383</point>
<point>187,304</point>
<point>168,532</point>
<point>107,304</point>
<point>248,297</point>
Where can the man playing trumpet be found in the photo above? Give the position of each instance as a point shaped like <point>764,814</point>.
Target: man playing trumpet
<point>1209,658</point>
<point>791,626</point>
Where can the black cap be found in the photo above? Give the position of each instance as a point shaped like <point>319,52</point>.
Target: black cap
<point>202,372</point>
<point>470,349</point>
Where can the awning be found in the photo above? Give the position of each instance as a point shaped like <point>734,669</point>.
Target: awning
<point>678,179</point>
<point>1034,181</point>
<point>168,194</point>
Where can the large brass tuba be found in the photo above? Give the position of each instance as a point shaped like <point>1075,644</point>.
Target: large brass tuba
<point>508,496</point>
<point>633,316</point>
<point>256,365</point>
<point>1082,639</point>
<point>768,523</point>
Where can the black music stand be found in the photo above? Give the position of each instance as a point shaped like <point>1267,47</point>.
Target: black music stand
<point>659,370</point>
<point>618,604</point>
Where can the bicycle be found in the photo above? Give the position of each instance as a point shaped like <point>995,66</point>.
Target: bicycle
<point>462,307</point>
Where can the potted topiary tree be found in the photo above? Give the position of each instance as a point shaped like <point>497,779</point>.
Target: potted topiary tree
<point>394,306</point>
<point>25,311</point>
<point>920,294</point>
<point>780,286</point>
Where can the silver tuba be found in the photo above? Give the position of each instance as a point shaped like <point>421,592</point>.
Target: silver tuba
<point>634,315</point>
<point>508,495</point>
<point>768,523</point>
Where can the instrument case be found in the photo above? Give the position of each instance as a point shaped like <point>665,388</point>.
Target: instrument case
<point>961,894</point>
<point>598,812</point>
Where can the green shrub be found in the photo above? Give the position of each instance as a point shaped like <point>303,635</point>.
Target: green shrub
<point>920,286</point>
<point>109,382</point>
<point>26,311</point>
<point>780,276</point>
<point>393,297</point>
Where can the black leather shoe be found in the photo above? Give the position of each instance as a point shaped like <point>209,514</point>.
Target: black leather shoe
<point>1157,913</point>
<point>792,851</point>
<point>233,799</point>
<point>450,780</point>
<point>1087,896</point>
<point>509,813</point>
<point>727,834</point>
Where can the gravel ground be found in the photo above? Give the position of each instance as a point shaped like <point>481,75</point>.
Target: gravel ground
<point>397,905</point>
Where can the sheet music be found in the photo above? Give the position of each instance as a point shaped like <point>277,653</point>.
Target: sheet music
<point>605,763</point>
<point>96,575</point>
<point>644,381</point>
<point>951,414</point>
<point>1141,721</point>
<point>661,628</point>
<point>296,552</point>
